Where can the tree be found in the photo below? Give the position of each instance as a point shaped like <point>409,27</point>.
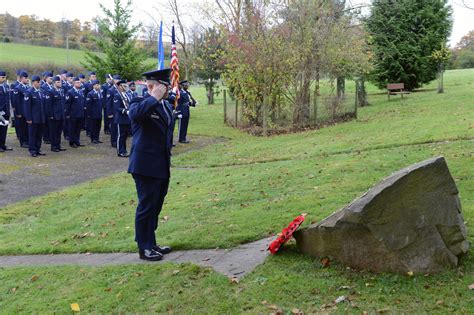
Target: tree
<point>208,61</point>
<point>404,34</point>
<point>117,44</point>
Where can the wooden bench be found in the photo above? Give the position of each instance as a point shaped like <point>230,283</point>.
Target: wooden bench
<point>396,88</point>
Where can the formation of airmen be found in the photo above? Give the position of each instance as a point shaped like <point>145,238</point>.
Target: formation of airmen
<point>48,108</point>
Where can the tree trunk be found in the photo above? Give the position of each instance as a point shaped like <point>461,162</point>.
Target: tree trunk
<point>301,111</point>
<point>440,78</point>
<point>361,92</point>
<point>341,86</point>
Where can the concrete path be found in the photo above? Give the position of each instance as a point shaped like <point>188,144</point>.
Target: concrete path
<point>236,262</point>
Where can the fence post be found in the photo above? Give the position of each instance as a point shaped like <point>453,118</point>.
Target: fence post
<point>315,106</point>
<point>236,112</point>
<point>225,106</point>
<point>356,98</point>
<point>265,100</point>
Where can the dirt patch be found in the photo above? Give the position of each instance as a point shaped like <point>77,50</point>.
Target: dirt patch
<point>22,176</point>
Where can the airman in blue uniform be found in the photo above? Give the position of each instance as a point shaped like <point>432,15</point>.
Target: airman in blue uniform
<point>105,87</point>
<point>54,107</point>
<point>75,103</point>
<point>18,104</point>
<point>150,160</point>
<point>185,100</point>
<point>94,105</point>
<point>12,96</point>
<point>132,90</point>
<point>46,86</point>
<point>109,103</point>
<point>66,86</point>
<point>121,104</point>
<point>4,110</point>
<point>35,116</point>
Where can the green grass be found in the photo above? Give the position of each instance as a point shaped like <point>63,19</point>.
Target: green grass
<point>241,190</point>
<point>11,52</point>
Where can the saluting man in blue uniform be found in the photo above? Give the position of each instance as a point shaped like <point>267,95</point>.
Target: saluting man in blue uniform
<point>150,160</point>
<point>94,104</point>
<point>35,116</point>
<point>54,107</point>
<point>46,87</point>
<point>121,103</point>
<point>105,87</point>
<point>75,103</point>
<point>5,109</point>
<point>109,104</point>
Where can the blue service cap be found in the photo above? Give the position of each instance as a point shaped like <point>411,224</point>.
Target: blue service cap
<point>81,76</point>
<point>35,78</point>
<point>108,75</point>
<point>23,74</point>
<point>75,79</point>
<point>159,75</point>
<point>3,73</point>
<point>64,71</point>
<point>183,82</point>
<point>69,75</point>
<point>131,83</point>
<point>56,78</point>
<point>91,73</point>
<point>94,82</point>
<point>117,77</point>
<point>47,74</point>
<point>18,72</point>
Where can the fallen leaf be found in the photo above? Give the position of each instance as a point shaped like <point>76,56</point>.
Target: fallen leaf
<point>297,311</point>
<point>234,280</point>
<point>383,310</point>
<point>108,289</point>
<point>13,289</point>
<point>439,302</point>
<point>325,262</point>
<point>272,307</point>
<point>166,218</point>
<point>340,299</point>
<point>34,278</point>
<point>410,273</point>
<point>175,272</point>
<point>75,307</point>
<point>471,286</point>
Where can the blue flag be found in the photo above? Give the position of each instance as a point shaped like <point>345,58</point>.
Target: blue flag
<point>161,52</point>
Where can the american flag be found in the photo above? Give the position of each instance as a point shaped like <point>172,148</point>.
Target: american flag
<point>174,65</point>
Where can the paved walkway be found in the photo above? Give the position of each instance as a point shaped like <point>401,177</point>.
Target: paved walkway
<point>236,262</point>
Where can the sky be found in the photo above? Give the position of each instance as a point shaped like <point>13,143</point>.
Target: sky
<point>148,11</point>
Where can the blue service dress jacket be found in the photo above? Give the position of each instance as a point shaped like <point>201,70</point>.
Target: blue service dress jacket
<point>94,104</point>
<point>121,109</point>
<point>34,106</point>
<point>151,146</point>
<point>54,104</point>
<point>5,100</point>
<point>75,103</point>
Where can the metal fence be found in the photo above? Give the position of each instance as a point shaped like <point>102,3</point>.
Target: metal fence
<point>323,108</point>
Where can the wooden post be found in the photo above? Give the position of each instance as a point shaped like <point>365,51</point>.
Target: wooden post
<point>225,106</point>
<point>236,112</point>
<point>315,106</point>
<point>356,97</point>
<point>265,100</point>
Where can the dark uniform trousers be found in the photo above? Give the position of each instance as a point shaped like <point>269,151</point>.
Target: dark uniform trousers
<point>123,131</point>
<point>35,135</point>
<point>46,133</point>
<point>75,127</point>
<point>113,133</point>
<point>106,121</point>
<point>22,129</point>
<point>66,128</point>
<point>94,126</point>
<point>55,130</point>
<point>151,195</point>
<point>183,127</point>
<point>3,136</point>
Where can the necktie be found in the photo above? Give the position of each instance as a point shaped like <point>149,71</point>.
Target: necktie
<point>168,118</point>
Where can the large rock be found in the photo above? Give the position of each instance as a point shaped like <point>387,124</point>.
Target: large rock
<point>411,221</point>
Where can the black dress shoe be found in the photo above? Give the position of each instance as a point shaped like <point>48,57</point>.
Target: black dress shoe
<point>124,155</point>
<point>98,141</point>
<point>34,154</point>
<point>80,145</point>
<point>150,254</point>
<point>25,146</point>
<point>95,142</point>
<point>41,153</point>
<point>185,141</point>
<point>55,150</point>
<point>62,149</point>
<point>7,149</point>
<point>162,249</point>
<point>73,145</point>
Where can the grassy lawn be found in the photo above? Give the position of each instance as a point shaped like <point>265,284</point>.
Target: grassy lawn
<point>242,190</point>
<point>12,52</point>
